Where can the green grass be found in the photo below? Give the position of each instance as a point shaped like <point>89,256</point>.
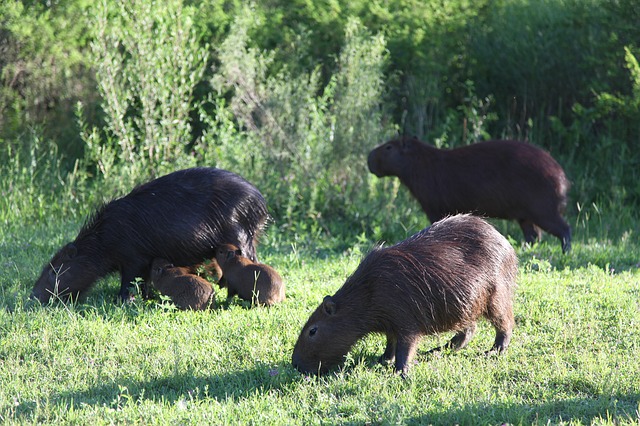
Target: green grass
<point>573,357</point>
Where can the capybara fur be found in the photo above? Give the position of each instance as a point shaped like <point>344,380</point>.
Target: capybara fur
<point>208,269</point>
<point>186,290</point>
<point>255,282</point>
<point>502,179</point>
<point>441,279</point>
<point>182,217</point>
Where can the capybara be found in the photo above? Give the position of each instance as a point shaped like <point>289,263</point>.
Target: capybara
<point>441,279</point>
<point>186,290</point>
<point>502,179</point>
<point>182,217</point>
<point>255,282</point>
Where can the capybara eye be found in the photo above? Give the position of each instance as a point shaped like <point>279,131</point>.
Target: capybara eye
<point>313,331</point>
<point>388,147</point>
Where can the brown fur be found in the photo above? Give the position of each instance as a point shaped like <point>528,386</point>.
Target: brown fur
<point>503,179</point>
<point>256,282</point>
<point>186,290</point>
<point>209,269</point>
<point>441,279</point>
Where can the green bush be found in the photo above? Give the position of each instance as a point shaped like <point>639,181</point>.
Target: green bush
<point>44,70</point>
<point>303,144</point>
<point>148,62</point>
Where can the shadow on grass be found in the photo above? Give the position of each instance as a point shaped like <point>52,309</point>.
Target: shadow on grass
<point>234,386</point>
<point>170,389</point>
<point>615,409</point>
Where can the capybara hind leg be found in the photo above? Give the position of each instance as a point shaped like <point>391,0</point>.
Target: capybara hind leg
<point>531,232</point>
<point>462,338</point>
<point>501,317</point>
<point>405,352</point>
<point>389,354</point>
<point>501,343</point>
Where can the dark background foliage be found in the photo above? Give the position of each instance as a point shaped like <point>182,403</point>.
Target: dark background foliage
<point>293,94</point>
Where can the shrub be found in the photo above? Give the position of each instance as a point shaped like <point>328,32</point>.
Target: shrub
<point>305,145</point>
<point>148,61</point>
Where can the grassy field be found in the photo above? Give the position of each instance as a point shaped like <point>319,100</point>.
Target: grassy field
<point>573,357</point>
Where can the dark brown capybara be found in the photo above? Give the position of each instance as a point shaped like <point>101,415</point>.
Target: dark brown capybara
<point>441,279</point>
<point>182,217</point>
<point>255,282</point>
<point>186,290</point>
<point>502,179</point>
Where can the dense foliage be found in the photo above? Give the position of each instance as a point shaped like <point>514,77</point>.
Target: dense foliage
<point>294,94</point>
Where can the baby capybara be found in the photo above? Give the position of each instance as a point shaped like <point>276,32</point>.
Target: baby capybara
<point>502,179</point>
<point>441,279</point>
<point>186,290</point>
<point>182,217</point>
<point>255,282</point>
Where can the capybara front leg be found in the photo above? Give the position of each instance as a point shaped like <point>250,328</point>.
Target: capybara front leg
<point>124,295</point>
<point>389,354</point>
<point>405,352</point>
<point>531,232</point>
<point>558,228</point>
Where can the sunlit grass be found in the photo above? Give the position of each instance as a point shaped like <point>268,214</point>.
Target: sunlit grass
<point>573,357</point>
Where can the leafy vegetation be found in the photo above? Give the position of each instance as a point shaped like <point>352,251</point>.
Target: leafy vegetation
<point>98,96</point>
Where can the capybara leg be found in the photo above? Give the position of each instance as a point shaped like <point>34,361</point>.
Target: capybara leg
<point>125,287</point>
<point>389,354</point>
<point>501,316</point>
<point>462,338</point>
<point>558,228</point>
<point>222,282</point>
<point>405,352</point>
<point>501,343</point>
<point>231,292</point>
<point>530,230</point>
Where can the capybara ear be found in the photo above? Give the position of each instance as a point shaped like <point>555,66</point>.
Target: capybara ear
<point>328,305</point>
<point>71,250</point>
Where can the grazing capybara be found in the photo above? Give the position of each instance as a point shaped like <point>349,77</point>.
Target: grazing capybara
<point>186,290</point>
<point>182,217</point>
<point>255,282</point>
<point>441,279</point>
<point>502,179</point>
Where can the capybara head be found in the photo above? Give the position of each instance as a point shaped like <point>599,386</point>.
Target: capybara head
<point>159,267</point>
<point>388,159</point>
<point>324,339</point>
<point>226,252</point>
<point>68,274</point>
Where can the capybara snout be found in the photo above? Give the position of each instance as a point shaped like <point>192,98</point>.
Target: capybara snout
<point>502,179</point>
<point>255,282</point>
<point>441,279</point>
